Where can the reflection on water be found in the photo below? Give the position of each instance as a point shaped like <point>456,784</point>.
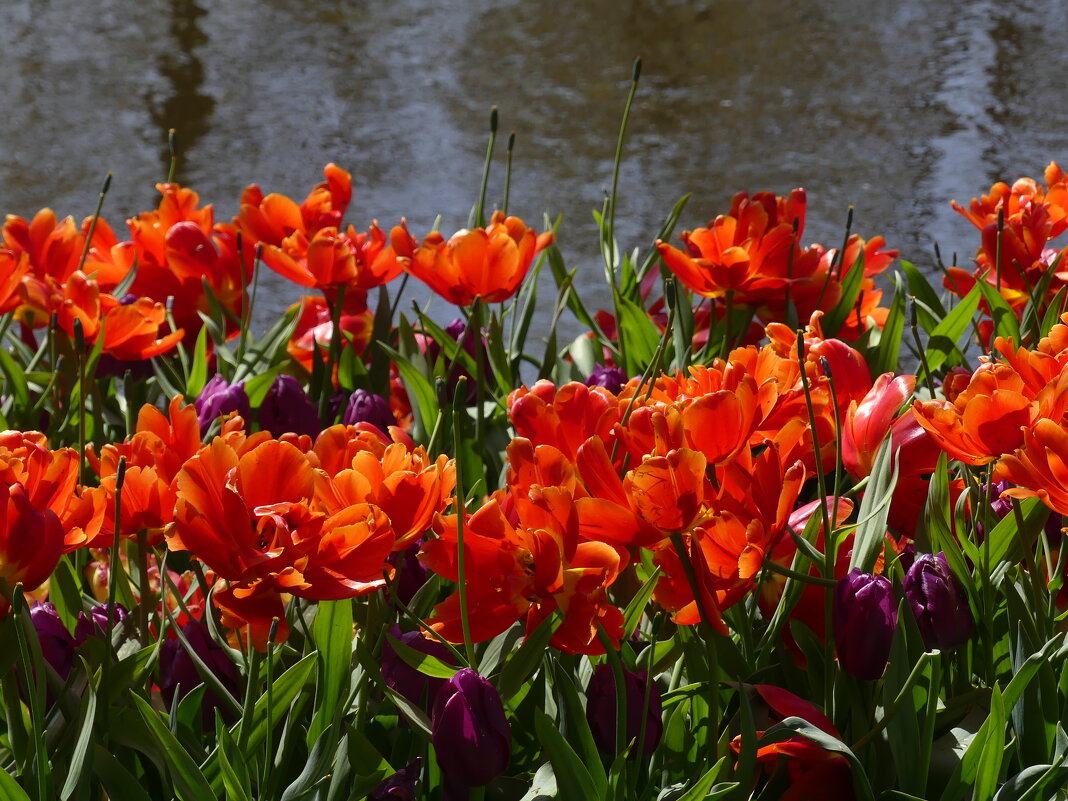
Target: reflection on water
<point>186,107</point>
<point>895,108</point>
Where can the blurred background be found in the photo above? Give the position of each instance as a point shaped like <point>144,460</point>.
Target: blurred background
<point>895,108</point>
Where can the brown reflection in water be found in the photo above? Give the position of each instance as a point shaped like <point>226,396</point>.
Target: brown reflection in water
<point>186,108</point>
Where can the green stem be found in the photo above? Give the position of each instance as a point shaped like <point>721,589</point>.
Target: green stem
<point>461,559</point>
<point>480,215</point>
<point>508,171</point>
<point>333,355</point>
<point>617,161</point>
<point>96,217</point>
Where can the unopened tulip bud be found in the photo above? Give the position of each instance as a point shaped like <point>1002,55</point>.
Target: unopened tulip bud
<point>601,710</point>
<point>864,618</point>
<point>937,601</point>
<point>95,623</point>
<point>219,398</point>
<point>611,378</point>
<point>402,677</point>
<point>366,407</point>
<point>401,786</point>
<point>470,733</point>
<point>287,409</point>
<point>178,673</point>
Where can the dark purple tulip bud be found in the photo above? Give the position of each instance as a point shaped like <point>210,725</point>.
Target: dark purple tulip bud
<point>475,346</point>
<point>611,378</point>
<point>219,398</point>
<point>401,785</point>
<point>470,733</point>
<point>864,617</point>
<point>57,646</point>
<point>178,674</point>
<point>406,680</point>
<point>366,407</point>
<point>411,573</point>
<point>601,710</point>
<point>937,601</point>
<point>95,622</point>
<point>288,409</point>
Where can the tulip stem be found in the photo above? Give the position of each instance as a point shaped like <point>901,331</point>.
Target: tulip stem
<point>620,687</point>
<point>113,572</point>
<point>616,163</point>
<point>95,219</point>
<point>172,148</point>
<point>508,172</point>
<point>480,215</point>
<point>333,355</point>
<point>461,562</point>
<point>819,581</point>
<point>830,546</point>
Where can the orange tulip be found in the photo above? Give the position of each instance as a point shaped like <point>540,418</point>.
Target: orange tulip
<point>252,517</point>
<point>488,263</point>
<point>985,420</point>
<point>272,218</point>
<point>564,417</point>
<point>31,542</point>
<point>1039,467</point>
<point>527,570</point>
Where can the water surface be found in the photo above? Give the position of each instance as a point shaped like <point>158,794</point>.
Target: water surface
<point>894,108</point>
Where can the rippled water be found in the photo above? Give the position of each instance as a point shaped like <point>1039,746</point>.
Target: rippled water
<point>894,108</point>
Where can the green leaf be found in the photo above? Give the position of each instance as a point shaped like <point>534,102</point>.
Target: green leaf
<point>198,373</point>
<point>947,334</point>
<point>283,692</point>
<point>9,788</point>
<point>79,766</point>
<point>889,351</point>
<point>874,510</point>
<point>663,235</point>
<point>522,664</point>
<point>846,304</point>
<point>572,776</point>
<point>315,769</point>
<point>332,631</point>
<point>701,788</point>
<point>636,606</point>
<point>235,778</point>
<point>426,664</point>
<point>920,289</point>
<point>189,782</point>
<point>115,778</point>
<point>1005,322</point>
<point>638,335</point>
<point>418,387</point>
<point>16,380</point>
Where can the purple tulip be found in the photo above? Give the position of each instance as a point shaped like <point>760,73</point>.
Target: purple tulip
<point>219,398</point>
<point>288,409</point>
<point>57,646</point>
<point>864,618</point>
<point>611,378</point>
<point>601,710</point>
<point>178,674</point>
<point>937,601</point>
<point>366,407</point>
<point>406,680</point>
<point>411,573</point>
<point>475,347</point>
<point>401,785</point>
<point>95,623</point>
<point>470,733</point>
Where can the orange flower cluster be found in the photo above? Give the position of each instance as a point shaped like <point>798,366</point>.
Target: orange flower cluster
<point>315,520</point>
<point>713,460</point>
<point>1032,216</point>
<point>753,256</point>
